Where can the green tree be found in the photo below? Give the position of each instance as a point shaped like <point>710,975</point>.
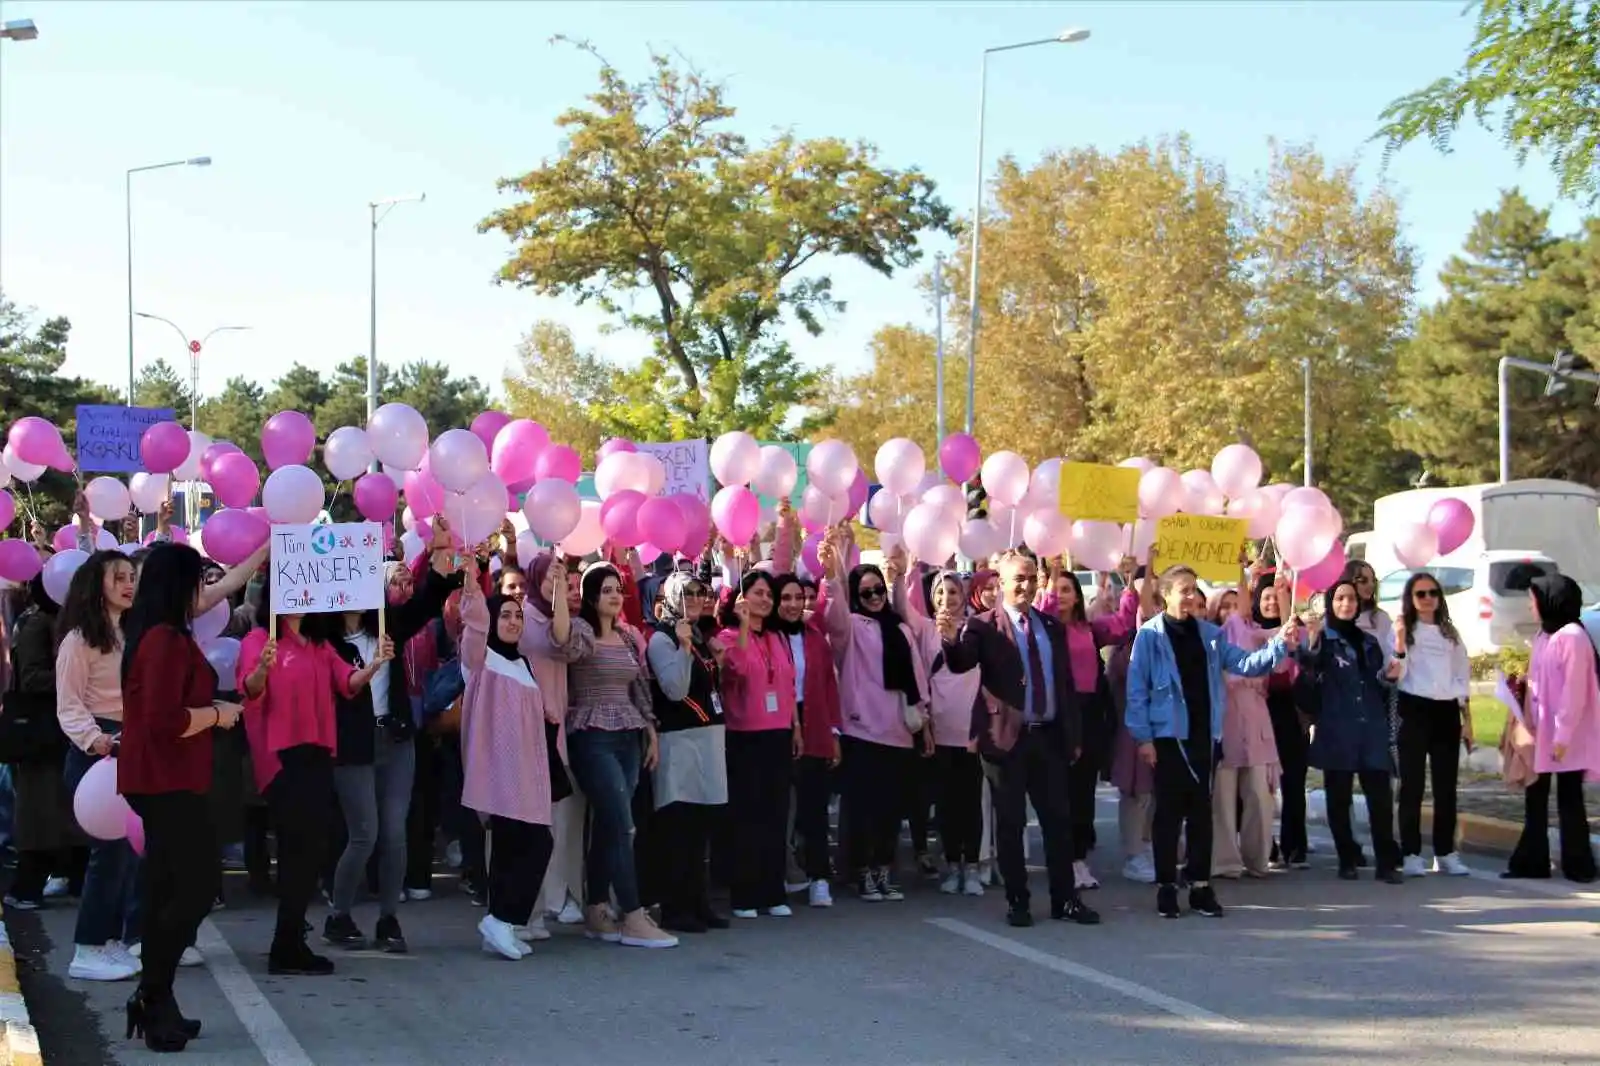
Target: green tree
<point>680,228</point>
<point>300,388</point>
<point>1516,290</point>
<point>1533,72</point>
<point>236,414</point>
<point>159,385</point>
<point>569,391</point>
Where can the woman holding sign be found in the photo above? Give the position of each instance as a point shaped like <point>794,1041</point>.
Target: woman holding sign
<point>289,687</point>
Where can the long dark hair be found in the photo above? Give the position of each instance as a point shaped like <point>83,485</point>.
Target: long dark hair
<point>593,580</point>
<point>85,609</point>
<point>317,628</point>
<point>729,619</point>
<point>1079,614</point>
<point>1352,570</point>
<point>169,582</point>
<point>1408,609</point>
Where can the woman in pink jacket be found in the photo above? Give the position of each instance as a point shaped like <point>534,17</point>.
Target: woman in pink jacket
<point>1563,711</point>
<point>883,684</point>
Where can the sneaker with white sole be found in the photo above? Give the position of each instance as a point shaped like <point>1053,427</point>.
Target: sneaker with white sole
<point>1450,865</point>
<point>638,931</point>
<point>892,892</point>
<point>123,952</point>
<point>100,962</point>
<point>1413,866</point>
<point>820,895</point>
<point>452,855</point>
<point>782,910</point>
<point>500,938</point>
<point>868,888</point>
<point>599,925</point>
<point>417,895</point>
<point>17,903</point>
<point>533,931</point>
<point>971,883</point>
<point>1083,877</point>
<point>56,887</point>
<point>570,914</point>
<point>951,885</point>
<point>1140,869</point>
<point>191,957</point>
<point>745,913</point>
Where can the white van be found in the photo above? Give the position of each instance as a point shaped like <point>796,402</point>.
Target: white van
<point>1488,601</point>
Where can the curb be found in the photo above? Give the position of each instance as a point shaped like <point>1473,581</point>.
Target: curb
<point>21,1046</point>
<point>1479,832</point>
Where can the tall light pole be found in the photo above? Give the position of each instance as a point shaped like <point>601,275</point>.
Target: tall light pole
<point>1305,369</point>
<point>19,30</point>
<point>372,322</point>
<point>938,348</point>
<point>193,348</point>
<point>1555,373</point>
<point>197,161</point>
<point>1068,36</point>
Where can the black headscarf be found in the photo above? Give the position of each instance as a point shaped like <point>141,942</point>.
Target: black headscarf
<point>503,648</point>
<point>1560,601</point>
<point>1255,605</point>
<point>899,673</point>
<point>1345,627</point>
<point>779,583</point>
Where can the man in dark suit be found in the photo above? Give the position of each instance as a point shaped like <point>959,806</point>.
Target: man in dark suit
<point>1029,730</point>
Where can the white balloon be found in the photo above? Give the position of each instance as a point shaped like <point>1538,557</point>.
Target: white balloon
<point>900,464</point>
<point>347,455</point>
<point>190,468</point>
<point>20,468</point>
<point>735,458</point>
<point>292,495</point>
<point>776,473</point>
<point>412,545</point>
<point>398,436</point>
<point>58,571</point>
<point>148,491</point>
<point>108,499</point>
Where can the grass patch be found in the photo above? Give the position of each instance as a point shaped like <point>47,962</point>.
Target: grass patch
<point>1488,720</point>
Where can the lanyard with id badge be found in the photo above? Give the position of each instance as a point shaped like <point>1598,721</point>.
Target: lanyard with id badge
<point>771,702</point>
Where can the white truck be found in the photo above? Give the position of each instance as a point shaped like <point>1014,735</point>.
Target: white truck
<point>1521,529</point>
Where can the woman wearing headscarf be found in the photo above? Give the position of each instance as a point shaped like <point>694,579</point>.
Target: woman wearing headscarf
<point>883,686</point>
<point>1347,677</point>
<point>691,778</point>
<point>1563,711</point>
<point>1271,600</point>
<point>983,592</point>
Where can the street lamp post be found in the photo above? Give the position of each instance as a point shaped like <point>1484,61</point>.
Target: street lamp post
<point>1305,369</point>
<point>197,161</point>
<point>938,348</point>
<point>1070,36</point>
<point>1554,373</point>
<point>372,309</point>
<point>193,348</point>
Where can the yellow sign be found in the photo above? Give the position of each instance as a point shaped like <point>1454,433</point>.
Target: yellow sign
<point>1091,492</point>
<point>1208,546</point>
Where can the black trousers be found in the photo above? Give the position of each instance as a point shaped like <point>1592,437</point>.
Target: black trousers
<point>301,799</point>
<point>1532,855</point>
<point>922,783</point>
<point>876,777</point>
<point>1036,768</point>
<point>959,803</point>
<point>813,788</point>
<point>647,853</point>
<point>1430,732</point>
<point>422,820</point>
<point>682,837</point>
<point>1377,786</point>
<point>1290,737</point>
<point>1183,810</point>
<point>181,876</point>
<point>758,806</point>
<point>519,854</point>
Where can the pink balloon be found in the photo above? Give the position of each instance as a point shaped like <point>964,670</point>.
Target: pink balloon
<point>209,457</point>
<point>134,831</point>
<point>858,493</point>
<point>35,440</point>
<point>1047,532</point>
<point>899,464</point>
<point>488,425</point>
<point>293,495</point>
<point>1236,469</point>
<point>287,439</point>
<point>95,804</point>
<point>948,498</point>
<point>553,510</point>
<point>398,436</point>
<point>661,523</point>
<point>209,626</point>
<point>619,517</point>
<point>735,458</point>
<point>232,535</point>
<point>1320,577</point>
<point>234,478</point>
<point>696,521</point>
<point>1451,519</point>
<point>424,494</point>
<point>588,535</point>
<point>649,553</point>
<point>1161,492</point>
<point>885,512</point>
<point>164,447</point>
<point>737,513</point>
<point>809,554</point>
<point>66,538</point>
<point>1260,508</point>
<point>1415,545</point>
<point>1302,537</point>
<point>614,446</point>
<point>376,497</point>
<point>176,534</point>
<point>560,462</point>
<point>1005,477</point>
<point>515,455</point>
<point>1139,463</point>
<point>832,466</point>
<point>1305,496</point>
<point>457,459</point>
<point>1098,544</point>
<point>1278,490</point>
<point>1144,537</point>
<point>959,457</point>
<point>980,539</point>
<point>8,509</point>
<point>19,560</point>
<point>931,533</point>
<point>818,510</point>
<point>776,472</point>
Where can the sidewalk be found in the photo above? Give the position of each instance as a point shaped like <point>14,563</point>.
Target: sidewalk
<point>21,1043</point>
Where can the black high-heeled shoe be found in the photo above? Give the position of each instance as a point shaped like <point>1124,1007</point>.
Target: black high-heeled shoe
<point>159,1032</point>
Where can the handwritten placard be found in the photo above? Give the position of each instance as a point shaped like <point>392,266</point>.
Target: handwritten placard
<point>1093,492</point>
<point>108,436</point>
<point>688,466</point>
<point>1208,546</point>
<point>322,569</point>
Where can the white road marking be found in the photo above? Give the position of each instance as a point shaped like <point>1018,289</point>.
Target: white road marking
<point>267,1030</point>
<point>1132,989</point>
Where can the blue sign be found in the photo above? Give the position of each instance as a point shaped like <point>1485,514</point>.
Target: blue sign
<point>108,436</point>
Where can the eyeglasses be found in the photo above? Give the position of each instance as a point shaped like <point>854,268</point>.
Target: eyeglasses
<point>695,593</point>
<point>875,592</point>
<point>1425,594</point>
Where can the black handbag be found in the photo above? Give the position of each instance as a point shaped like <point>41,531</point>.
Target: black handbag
<point>560,783</point>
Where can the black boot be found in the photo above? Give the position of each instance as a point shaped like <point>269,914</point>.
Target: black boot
<point>157,1020</point>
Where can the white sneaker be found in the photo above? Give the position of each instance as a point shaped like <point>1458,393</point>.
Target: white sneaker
<point>746,912</point>
<point>499,938</point>
<point>1413,866</point>
<point>135,950</point>
<point>782,910</point>
<point>1450,865</point>
<point>123,952</point>
<point>417,895</point>
<point>571,913</point>
<point>951,885</point>
<point>93,962</point>
<point>191,957</point>
<point>533,931</point>
<point>1083,877</point>
<point>820,895</point>
<point>1141,869</point>
<point>452,855</point>
<point>972,883</point>
<point>55,888</point>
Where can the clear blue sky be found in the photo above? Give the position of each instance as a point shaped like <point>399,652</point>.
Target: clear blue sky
<point>310,110</point>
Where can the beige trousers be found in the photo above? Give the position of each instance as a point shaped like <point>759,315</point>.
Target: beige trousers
<point>564,877</point>
<point>1240,847</point>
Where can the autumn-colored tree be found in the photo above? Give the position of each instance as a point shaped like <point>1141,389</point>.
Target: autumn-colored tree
<point>897,396</point>
<point>677,227</point>
<point>566,390</point>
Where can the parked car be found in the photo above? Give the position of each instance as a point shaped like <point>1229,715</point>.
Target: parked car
<point>1488,601</point>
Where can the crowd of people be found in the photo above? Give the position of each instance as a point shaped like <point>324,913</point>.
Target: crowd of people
<point>602,743</point>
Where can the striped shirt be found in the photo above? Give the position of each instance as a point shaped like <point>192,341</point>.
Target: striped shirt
<point>597,683</point>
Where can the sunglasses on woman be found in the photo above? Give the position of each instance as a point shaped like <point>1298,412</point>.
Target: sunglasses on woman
<point>1425,594</point>
<point>872,592</point>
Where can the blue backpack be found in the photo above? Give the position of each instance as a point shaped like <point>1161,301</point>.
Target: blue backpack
<point>445,683</point>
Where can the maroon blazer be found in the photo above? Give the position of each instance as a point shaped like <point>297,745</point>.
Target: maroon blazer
<point>988,642</point>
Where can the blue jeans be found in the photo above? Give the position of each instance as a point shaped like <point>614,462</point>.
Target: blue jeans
<point>606,768</point>
<point>110,909</point>
<point>374,800</point>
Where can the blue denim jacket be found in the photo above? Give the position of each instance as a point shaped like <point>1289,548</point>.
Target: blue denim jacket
<point>1155,692</point>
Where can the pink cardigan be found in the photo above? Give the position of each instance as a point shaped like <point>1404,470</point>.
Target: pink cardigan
<point>1564,702</point>
<point>749,674</point>
<point>950,695</point>
<point>506,767</point>
<point>870,712</point>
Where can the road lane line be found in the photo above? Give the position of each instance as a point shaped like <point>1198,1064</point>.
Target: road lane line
<point>1132,989</point>
<point>267,1030</point>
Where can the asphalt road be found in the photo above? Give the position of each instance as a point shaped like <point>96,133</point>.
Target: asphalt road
<point>1305,969</point>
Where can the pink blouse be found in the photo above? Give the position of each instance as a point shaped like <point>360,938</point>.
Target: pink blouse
<point>1564,702</point>
<point>1247,737</point>
<point>296,707</point>
<point>757,682</point>
<point>505,764</point>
